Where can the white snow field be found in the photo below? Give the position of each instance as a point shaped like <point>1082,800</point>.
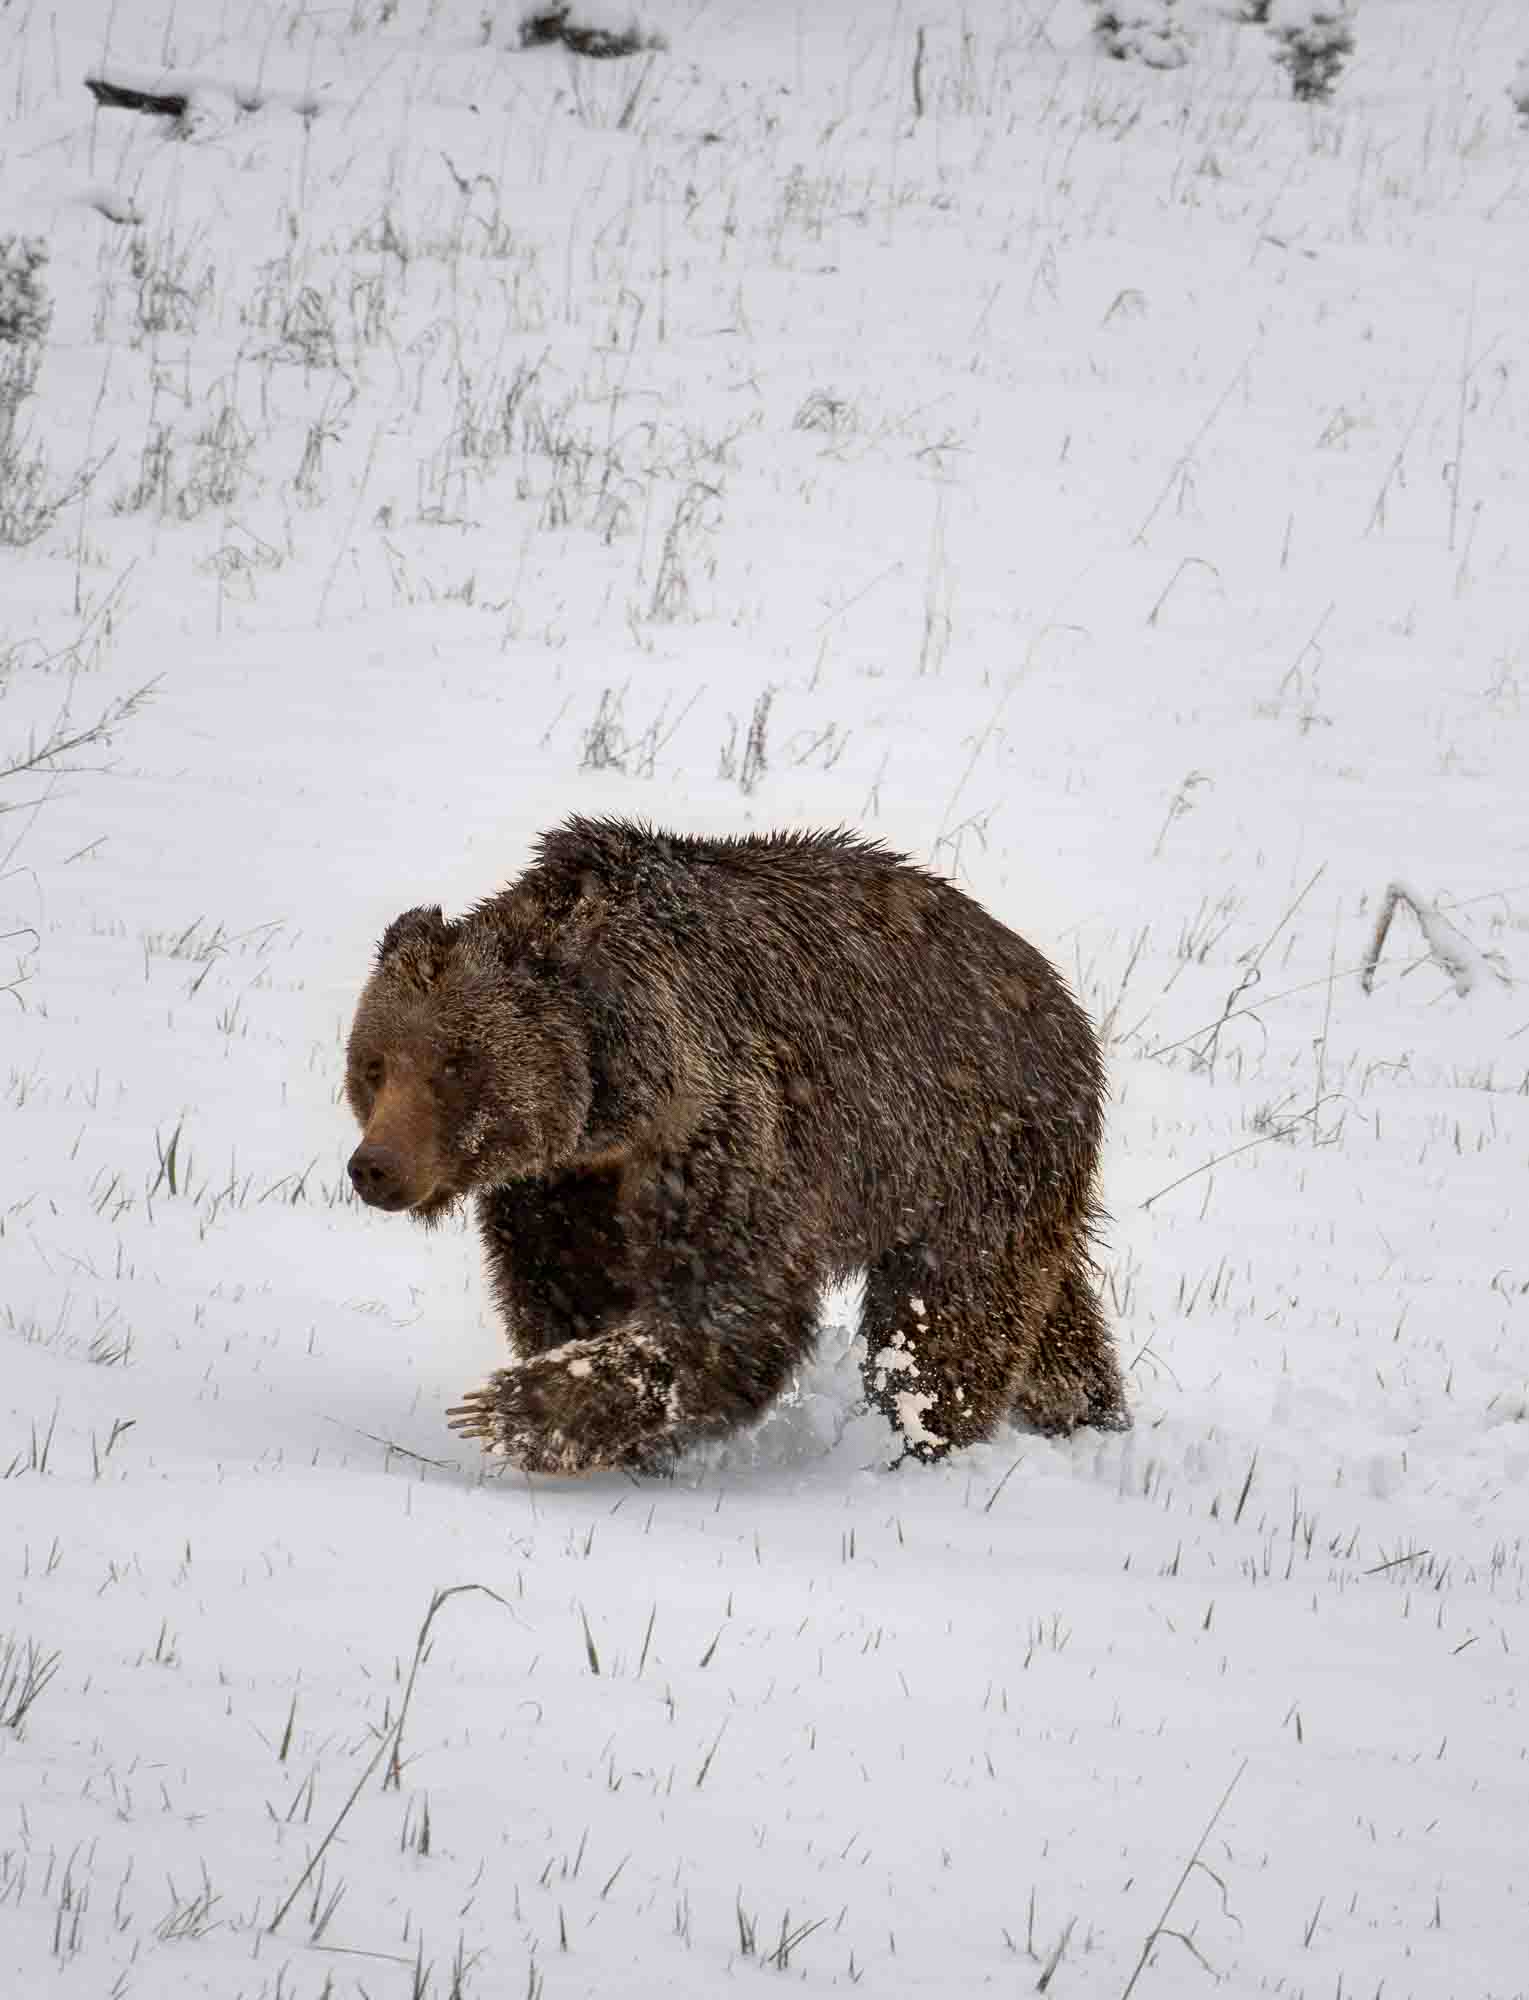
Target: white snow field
<point>1105,483</point>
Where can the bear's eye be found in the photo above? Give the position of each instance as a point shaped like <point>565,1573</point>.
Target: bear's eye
<point>371,1073</point>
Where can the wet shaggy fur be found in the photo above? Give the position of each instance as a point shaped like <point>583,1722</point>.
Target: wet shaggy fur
<point>689,1082</point>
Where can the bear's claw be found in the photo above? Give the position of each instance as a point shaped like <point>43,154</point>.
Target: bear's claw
<point>491,1414</point>
<point>474,1415</point>
<point>498,1417</point>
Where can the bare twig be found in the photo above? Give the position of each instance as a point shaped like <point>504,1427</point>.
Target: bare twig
<point>65,737</point>
<point>1447,945</point>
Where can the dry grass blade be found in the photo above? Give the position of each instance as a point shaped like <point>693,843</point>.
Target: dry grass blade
<point>591,1652</point>
<point>1279,1132</point>
<point>1058,1952</point>
<point>716,1742</point>
<point>1186,457</point>
<point>1159,1929</point>
<point>394,1450</point>
<point>389,1743</point>
<point>988,1503</point>
<point>440,1598</point>
<point>1205,1055</point>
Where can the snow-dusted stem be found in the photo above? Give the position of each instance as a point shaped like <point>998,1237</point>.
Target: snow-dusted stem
<point>1449,945</point>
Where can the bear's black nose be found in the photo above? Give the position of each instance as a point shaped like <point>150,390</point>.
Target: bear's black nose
<point>375,1176</point>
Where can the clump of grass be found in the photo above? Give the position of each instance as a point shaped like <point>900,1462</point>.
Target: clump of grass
<point>1145,31</point>
<point>189,1916</point>
<point>174,1165</point>
<point>25,1670</point>
<point>26,310</point>
<point>170,291</point>
<point>1314,38</point>
<point>826,411</point>
<point>308,337</point>
<point>695,514</point>
<point>747,766</point>
<point>29,501</point>
<point>608,745</point>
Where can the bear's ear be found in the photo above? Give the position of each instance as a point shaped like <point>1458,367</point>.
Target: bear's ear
<point>546,922</point>
<point>415,945</point>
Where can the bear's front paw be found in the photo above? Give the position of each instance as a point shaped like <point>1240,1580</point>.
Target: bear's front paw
<point>553,1413</point>
<point>507,1418</point>
<point>610,1400</point>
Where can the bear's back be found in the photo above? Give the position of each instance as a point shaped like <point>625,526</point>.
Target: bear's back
<point>827,937</point>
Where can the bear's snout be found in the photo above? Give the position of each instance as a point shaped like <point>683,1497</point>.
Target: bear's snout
<point>378,1177</point>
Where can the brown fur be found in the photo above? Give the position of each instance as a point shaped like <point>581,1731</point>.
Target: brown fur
<point>689,1082</point>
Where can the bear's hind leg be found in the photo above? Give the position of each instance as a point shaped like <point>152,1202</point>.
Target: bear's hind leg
<point>941,1353</point>
<point>1071,1375</point>
<point>956,1347</point>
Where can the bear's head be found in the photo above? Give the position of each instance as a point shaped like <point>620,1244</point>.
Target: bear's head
<point>467,1065</point>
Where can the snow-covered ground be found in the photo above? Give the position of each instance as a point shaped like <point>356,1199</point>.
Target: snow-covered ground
<point>1108,486</point>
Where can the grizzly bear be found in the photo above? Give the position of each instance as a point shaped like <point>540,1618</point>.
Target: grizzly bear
<point>690,1082</point>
